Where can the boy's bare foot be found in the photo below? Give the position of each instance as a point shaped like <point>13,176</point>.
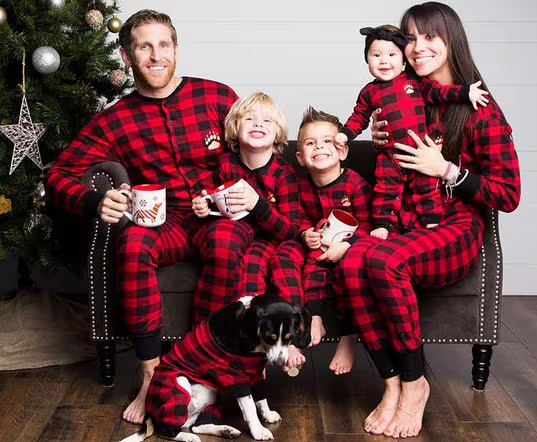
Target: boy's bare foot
<point>408,417</point>
<point>317,330</point>
<point>380,417</point>
<point>135,411</point>
<point>343,359</point>
<point>295,359</point>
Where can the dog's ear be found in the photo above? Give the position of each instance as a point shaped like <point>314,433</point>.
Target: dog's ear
<point>249,326</point>
<point>302,326</point>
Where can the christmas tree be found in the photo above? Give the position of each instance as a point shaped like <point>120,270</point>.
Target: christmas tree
<point>68,51</point>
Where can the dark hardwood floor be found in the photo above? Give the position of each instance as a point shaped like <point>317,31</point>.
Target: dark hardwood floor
<point>67,403</point>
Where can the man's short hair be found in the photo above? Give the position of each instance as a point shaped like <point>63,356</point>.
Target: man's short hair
<point>312,115</point>
<point>140,18</point>
<point>241,107</point>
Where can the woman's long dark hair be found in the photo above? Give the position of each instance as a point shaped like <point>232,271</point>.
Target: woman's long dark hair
<point>438,19</point>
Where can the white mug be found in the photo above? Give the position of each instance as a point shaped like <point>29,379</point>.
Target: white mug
<point>339,226</point>
<point>148,204</point>
<point>218,196</point>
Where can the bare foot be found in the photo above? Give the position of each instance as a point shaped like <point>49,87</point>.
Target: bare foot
<point>343,359</point>
<point>408,417</point>
<point>135,411</point>
<point>380,417</point>
<point>295,359</point>
<point>317,330</point>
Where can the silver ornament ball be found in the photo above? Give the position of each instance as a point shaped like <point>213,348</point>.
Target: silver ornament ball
<point>55,4</point>
<point>94,18</point>
<point>46,60</point>
<point>118,77</point>
<point>114,25</point>
<point>3,16</point>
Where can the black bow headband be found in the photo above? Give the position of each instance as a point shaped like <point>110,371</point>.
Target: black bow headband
<point>383,33</point>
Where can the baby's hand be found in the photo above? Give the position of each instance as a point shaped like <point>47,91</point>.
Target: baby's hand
<point>477,96</point>
<point>340,140</point>
<point>200,205</point>
<point>380,232</point>
<point>312,239</point>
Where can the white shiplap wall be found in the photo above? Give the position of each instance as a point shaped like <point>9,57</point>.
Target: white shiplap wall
<point>309,52</point>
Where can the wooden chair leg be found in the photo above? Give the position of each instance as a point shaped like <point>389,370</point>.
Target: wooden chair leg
<point>480,365</point>
<point>107,362</point>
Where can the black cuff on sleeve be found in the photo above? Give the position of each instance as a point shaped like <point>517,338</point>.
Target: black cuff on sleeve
<point>260,390</point>
<point>240,390</point>
<point>385,361</point>
<point>383,223</point>
<point>90,202</point>
<point>262,208</point>
<point>470,186</point>
<point>465,93</point>
<point>350,135</point>
<point>430,219</point>
<point>412,364</point>
<point>147,346</point>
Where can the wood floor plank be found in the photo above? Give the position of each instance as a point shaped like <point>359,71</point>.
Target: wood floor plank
<point>516,369</point>
<point>83,423</point>
<point>519,315</point>
<point>501,432</point>
<point>451,365</point>
<point>29,401</point>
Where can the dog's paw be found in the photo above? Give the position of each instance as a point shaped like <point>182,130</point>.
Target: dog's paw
<point>187,437</point>
<point>229,432</point>
<point>271,417</point>
<point>261,433</point>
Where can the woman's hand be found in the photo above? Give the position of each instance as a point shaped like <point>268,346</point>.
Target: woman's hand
<point>378,136</point>
<point>424,158</point>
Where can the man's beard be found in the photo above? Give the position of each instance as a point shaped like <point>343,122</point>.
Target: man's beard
<point>152,82</point>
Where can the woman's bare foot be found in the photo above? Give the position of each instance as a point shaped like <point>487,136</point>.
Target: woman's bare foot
<point>317,330</point>
<point>344,356</point>
<point>380,417</point>
<point>135,411</point>
<point>408,417</point>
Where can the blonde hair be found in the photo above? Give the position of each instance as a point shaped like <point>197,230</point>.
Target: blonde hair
<point>241,107</point>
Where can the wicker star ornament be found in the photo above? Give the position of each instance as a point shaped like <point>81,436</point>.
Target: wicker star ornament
<point>25,133</point>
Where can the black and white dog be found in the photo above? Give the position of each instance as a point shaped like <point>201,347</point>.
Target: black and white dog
<point>228,352</point>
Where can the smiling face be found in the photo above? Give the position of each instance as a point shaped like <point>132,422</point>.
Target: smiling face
<point>257,128</point>
<point>428,55</point>
<point>317,151</point>
<point>152,57</point>
<point>385,60</point>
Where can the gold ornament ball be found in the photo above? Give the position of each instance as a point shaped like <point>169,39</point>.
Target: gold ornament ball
<point>118,77</point>
<point>94,18</point>
<point>3,16</point>
<point>114,25</point>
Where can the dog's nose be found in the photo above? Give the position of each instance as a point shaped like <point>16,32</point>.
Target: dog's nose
<point>279,362</point>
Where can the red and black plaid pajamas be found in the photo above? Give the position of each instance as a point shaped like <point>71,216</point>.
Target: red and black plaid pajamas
<point>200,359</point>
<point>349,192</point>
<point>379,276</point>
<point>236,254</point>
<point>173,141</point>
<point>402,101</point>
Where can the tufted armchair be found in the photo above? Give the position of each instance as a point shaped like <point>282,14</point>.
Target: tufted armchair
<point>466,312</point>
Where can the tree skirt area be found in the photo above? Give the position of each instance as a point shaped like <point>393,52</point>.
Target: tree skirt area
<point>43,329</point>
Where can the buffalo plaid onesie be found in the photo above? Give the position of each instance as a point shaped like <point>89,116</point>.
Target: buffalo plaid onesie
<point>402,101</point>
<point>174,141</point>
<point>201,360</point>
<point>380,276</point>
<point>235,253</point>
<point>349,192</point>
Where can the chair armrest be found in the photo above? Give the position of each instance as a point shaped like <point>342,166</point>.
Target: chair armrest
<point>491,280</point>
<point>101,257</point>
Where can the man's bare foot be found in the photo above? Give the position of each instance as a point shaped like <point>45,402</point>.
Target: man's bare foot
<point>344,356</point>
<point>135,411</point>
<point>295,359</point>
<point>380,417</point>
<point>317,330</point>
<point>408,417</point>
